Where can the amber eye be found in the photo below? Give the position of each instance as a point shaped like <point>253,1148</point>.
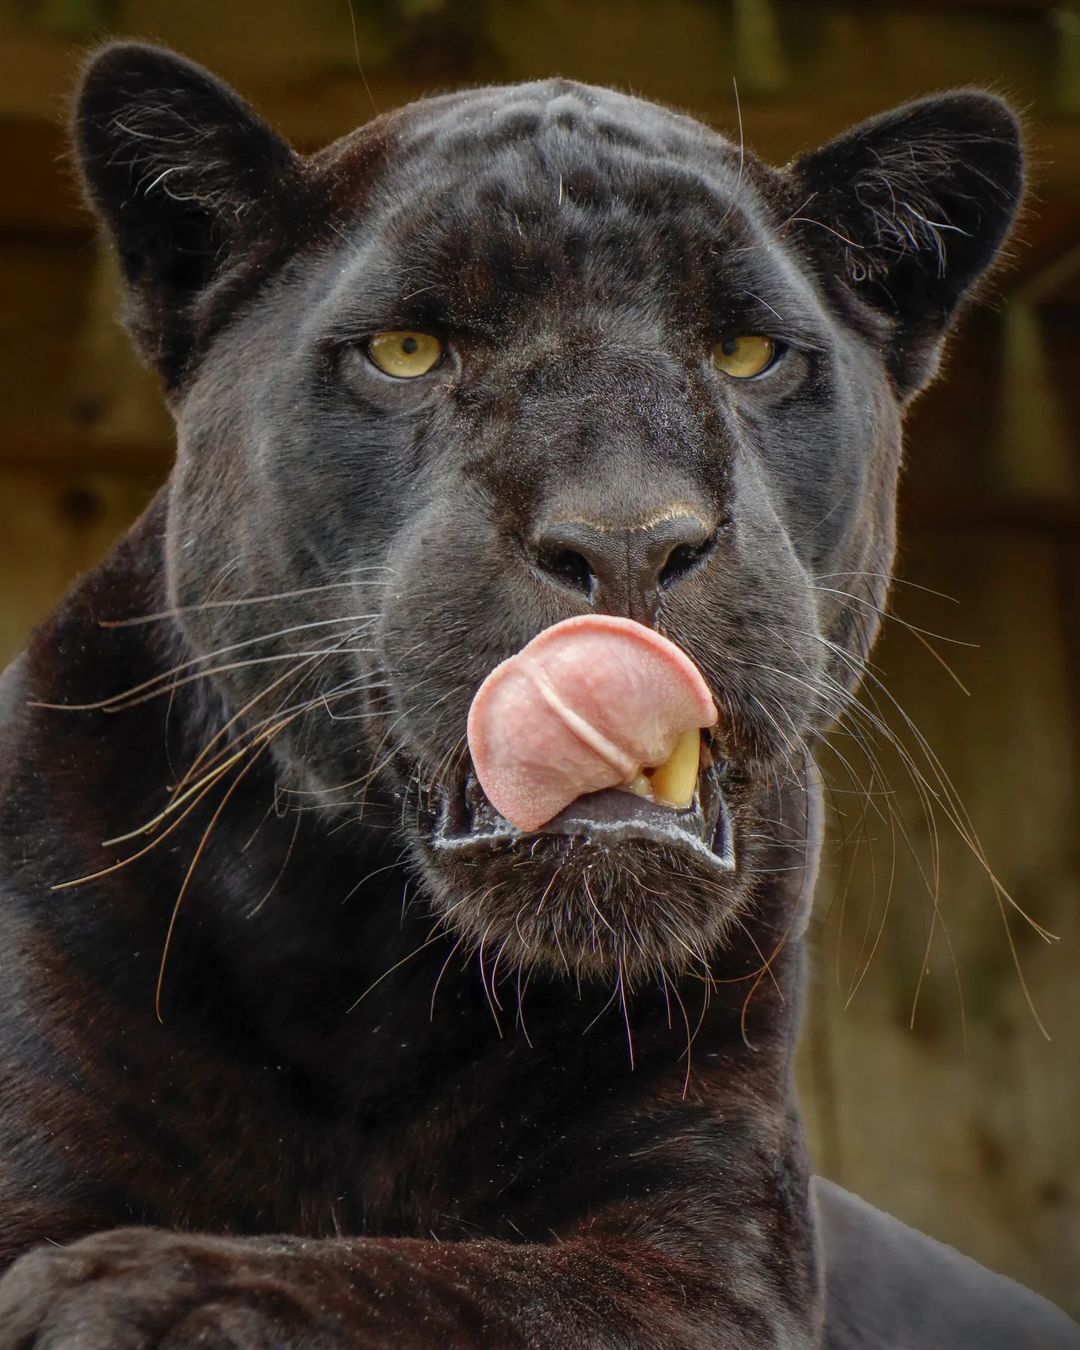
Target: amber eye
<point>405,355</point>
<point>744,357</point>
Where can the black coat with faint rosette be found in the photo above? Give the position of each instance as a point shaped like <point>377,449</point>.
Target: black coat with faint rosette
<point>536,1094</point>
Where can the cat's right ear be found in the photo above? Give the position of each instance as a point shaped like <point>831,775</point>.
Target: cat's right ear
<point>191,183</point>
<point>909,209</point>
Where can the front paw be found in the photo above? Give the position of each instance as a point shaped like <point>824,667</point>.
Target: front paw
<point>134,1288</point>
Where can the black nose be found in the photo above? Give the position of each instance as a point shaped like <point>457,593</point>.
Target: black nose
<point>623,571</point>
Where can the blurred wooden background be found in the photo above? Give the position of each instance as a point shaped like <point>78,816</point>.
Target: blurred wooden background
<point>965,1123</point>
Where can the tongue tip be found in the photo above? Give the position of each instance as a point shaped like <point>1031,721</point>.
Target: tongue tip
<point>679,661</point>
<point>532,801</point>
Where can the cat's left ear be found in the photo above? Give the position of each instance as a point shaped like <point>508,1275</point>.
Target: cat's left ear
<point>197,191</point>
<point>909,209</point>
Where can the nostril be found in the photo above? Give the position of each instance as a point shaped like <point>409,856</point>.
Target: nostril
<point>568,567</point>
<point>622,568</point>
<point>683,559</point>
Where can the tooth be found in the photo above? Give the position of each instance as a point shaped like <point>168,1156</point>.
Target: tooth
<point>640,785</point>
<point>675,780</point>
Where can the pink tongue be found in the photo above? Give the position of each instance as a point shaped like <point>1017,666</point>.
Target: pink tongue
<point>583,706</point>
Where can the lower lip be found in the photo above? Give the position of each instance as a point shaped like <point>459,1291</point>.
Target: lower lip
<point>611,817</point>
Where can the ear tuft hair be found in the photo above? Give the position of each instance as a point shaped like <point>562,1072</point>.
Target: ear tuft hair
<point>189,181</point>
<point>914,206</point>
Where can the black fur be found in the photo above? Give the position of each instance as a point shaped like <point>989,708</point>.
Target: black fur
<point>530,1095</point>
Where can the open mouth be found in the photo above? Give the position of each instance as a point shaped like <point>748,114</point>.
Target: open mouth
<point>678,805</point>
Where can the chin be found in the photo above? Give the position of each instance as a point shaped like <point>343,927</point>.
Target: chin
<point>616,886</point>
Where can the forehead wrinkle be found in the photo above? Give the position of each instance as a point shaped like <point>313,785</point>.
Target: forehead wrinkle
<point>521,137</point>
<point>560,208</point>
<point>621,224</point>
<point>529,169</point>
<point>496,114</point>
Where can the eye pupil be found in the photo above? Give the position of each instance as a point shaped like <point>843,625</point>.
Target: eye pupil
<point>404,355</point>
<point>744,355</point>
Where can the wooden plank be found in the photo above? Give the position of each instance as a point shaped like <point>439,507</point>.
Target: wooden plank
<point>975,1144</point>
<point>52,528</point>
<point>40,191</point>
<point>996,438</point>
<point>1048,232</point>
<point>72,392</point>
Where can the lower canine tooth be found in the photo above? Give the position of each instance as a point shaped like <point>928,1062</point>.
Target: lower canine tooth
<point>675,780</point>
